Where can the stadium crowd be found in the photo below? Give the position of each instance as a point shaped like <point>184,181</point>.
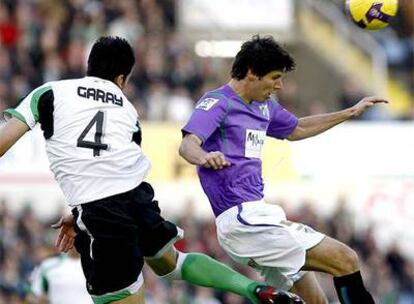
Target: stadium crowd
<point>42,40</point>
<point>48,40</point>
<point>25,241</point>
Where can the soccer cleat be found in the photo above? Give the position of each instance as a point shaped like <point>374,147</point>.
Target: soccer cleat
<point>269,295</point>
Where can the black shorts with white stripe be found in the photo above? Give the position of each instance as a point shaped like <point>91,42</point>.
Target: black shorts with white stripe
<point>115,233</point>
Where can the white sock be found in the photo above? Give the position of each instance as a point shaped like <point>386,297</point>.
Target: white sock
<point>176,273</point>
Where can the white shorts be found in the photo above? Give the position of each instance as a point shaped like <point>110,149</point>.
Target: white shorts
<point>257,234</point>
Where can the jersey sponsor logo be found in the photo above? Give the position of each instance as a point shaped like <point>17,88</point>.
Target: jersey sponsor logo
<point>100,95</point>
<point>207,104</point>
<point>254,143</point>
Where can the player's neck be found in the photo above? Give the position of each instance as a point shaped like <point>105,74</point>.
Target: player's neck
<point>240,87</point>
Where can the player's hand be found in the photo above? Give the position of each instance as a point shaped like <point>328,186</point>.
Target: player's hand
<point>365,104</point>
<point>66,238</point>
<point>215,160</point>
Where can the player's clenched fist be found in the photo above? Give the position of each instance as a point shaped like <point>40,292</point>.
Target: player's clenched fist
<point>215,160</point>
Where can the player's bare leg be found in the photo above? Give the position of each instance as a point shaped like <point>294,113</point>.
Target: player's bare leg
<point>164,264</point>
<point>136,298</point>
<point>336,258</point>
<point>309,289</point>
<point>333,257</point>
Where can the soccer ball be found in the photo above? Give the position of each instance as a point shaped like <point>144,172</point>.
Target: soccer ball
<point>372,14</point>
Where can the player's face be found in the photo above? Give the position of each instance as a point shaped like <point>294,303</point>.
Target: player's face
<point>263,87</point>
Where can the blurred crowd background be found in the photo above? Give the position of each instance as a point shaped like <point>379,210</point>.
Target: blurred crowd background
<point>25,241</point>
<point>48,40</point>
<point>44,40</point>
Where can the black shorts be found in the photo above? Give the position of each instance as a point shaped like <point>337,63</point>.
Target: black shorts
<point>115,233</point>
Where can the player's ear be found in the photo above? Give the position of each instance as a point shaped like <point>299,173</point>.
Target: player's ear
<point>120,81</point>
<point>250,75</point>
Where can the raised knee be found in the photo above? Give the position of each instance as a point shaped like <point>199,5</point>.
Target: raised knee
<point>348,261</point>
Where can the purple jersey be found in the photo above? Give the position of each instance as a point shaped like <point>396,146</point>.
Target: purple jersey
<point>224,122</point>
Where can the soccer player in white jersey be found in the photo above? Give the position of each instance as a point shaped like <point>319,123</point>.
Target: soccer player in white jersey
<point>93,144</point>
<point>59,280</point>
<point>224,138</point>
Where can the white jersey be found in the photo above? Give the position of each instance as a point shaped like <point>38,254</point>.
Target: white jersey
<point>89,126</point>
<point>60,279</point>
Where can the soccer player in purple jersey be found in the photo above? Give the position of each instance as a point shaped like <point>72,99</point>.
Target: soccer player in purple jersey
<point>224,138</point>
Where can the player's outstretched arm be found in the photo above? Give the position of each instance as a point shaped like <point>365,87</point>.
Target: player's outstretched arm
<point>10,132</point>
<point>191,151</point>
<point>313,125</point>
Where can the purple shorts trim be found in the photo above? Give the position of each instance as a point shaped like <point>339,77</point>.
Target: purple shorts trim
<point>244,222</point>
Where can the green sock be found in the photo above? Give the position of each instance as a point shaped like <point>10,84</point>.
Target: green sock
<point>200,269</point>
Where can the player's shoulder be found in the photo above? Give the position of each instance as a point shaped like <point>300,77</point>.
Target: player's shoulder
<point>212,99</point>
<point>66,82</point>
<point>83,80</point>
<point>41,88</point>
<point>58,85</point>
<point>274,104</point>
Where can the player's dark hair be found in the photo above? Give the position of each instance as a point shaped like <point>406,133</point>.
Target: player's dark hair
<point>261,56</point>
<point>110,57</point>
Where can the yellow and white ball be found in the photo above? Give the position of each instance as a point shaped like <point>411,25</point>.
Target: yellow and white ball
<point>372,14</point>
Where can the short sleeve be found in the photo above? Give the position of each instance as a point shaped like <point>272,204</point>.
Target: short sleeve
<point>282,122</point>
<point>207,116</point>
<point>27,110</point>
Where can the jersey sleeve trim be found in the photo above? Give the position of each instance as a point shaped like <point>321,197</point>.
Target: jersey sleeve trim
<point>45,284</point>
<point>184,132</point>
<point>35,101</point>
<point>9,113</point>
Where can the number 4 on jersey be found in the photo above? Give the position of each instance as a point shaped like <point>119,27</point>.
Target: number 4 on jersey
<point>96,145</point>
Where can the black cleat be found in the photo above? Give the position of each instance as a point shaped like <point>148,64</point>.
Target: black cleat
<point>269,295</point>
